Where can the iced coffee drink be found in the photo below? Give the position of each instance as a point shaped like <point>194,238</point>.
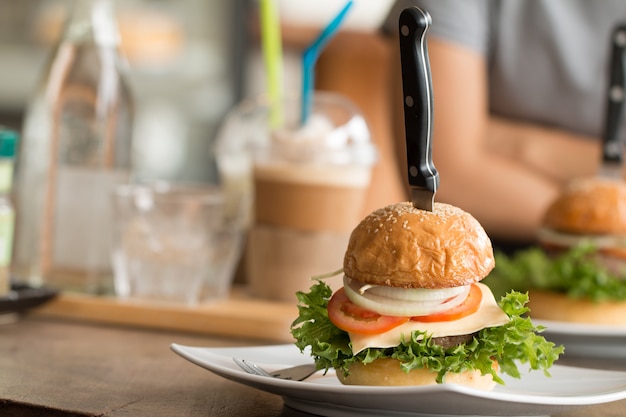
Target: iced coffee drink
<point>309,184</point>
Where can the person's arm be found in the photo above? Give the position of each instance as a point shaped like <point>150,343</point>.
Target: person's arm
<point>555,153</point>
<point>505,173</point>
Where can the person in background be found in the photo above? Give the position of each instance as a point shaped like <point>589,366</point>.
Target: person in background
<point>519,97</point>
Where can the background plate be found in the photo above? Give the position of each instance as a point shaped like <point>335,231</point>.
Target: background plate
<point>589,341</point>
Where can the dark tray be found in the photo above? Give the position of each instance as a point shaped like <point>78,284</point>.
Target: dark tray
<point>23,297</point>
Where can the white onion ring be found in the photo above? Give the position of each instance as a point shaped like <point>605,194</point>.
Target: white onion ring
<point>401,307</point>
<point>415,294</point>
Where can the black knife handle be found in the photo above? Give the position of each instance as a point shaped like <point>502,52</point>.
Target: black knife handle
<point>612,146</point>
<point>418,98</point>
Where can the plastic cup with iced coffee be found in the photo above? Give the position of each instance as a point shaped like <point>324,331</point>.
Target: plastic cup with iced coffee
<point>307,185</point>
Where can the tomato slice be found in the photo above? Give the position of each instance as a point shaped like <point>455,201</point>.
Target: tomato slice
<point>350,317</point>
<point>469,306</point>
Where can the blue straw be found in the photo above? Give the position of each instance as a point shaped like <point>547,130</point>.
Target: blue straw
<point>310,56</point>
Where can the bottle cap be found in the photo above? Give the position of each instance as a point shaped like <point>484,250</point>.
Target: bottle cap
<point>8,142</point>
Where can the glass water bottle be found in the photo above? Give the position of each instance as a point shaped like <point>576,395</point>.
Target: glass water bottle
<point>76,147</point>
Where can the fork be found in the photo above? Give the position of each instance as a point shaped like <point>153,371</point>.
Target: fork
<point>294,373</point>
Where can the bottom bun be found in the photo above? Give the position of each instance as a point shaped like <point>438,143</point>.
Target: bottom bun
<point>559,307</point>
<point>387,372</point>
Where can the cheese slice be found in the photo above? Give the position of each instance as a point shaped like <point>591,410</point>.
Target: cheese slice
<point>567,239</point>
<point>489,314</point>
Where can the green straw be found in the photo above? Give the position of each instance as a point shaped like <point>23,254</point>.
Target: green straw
<point>273,57</point>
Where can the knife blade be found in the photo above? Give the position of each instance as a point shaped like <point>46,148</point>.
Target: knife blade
<point>418,106</point>
<point>612,143</point>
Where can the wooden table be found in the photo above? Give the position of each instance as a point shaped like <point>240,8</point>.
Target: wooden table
<point>57,367</point>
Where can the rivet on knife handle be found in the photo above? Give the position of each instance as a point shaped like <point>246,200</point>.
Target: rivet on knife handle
<point>612,145</point>
<point>418,106</point>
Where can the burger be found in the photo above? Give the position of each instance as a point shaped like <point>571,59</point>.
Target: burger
<point>581,276</point>
<point>412,310</point>
<point>589,211</point>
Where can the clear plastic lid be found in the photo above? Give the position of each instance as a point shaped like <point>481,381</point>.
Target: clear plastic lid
<point>336,133</point>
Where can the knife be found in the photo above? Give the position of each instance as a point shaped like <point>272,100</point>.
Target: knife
<point>612,144</point>
<point>418,106</point>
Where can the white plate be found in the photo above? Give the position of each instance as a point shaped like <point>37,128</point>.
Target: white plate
<point>582,329</point>
<point>587,340</point>
<point>532,395</point>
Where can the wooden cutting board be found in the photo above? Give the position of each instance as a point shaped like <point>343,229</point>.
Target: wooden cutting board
<point>238,316</point>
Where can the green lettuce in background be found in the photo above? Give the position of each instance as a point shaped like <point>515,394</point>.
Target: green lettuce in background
<point>577,273</point>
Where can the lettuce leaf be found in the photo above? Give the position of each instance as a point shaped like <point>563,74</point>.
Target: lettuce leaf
<point>576,273</point>
<point>510,344</point>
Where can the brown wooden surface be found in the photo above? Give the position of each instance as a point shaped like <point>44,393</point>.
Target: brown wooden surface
<point>237,316</point>
<point>51,367</point>
<point>57,368</point>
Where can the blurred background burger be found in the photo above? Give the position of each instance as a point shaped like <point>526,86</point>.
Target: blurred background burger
<point>577,272</point>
